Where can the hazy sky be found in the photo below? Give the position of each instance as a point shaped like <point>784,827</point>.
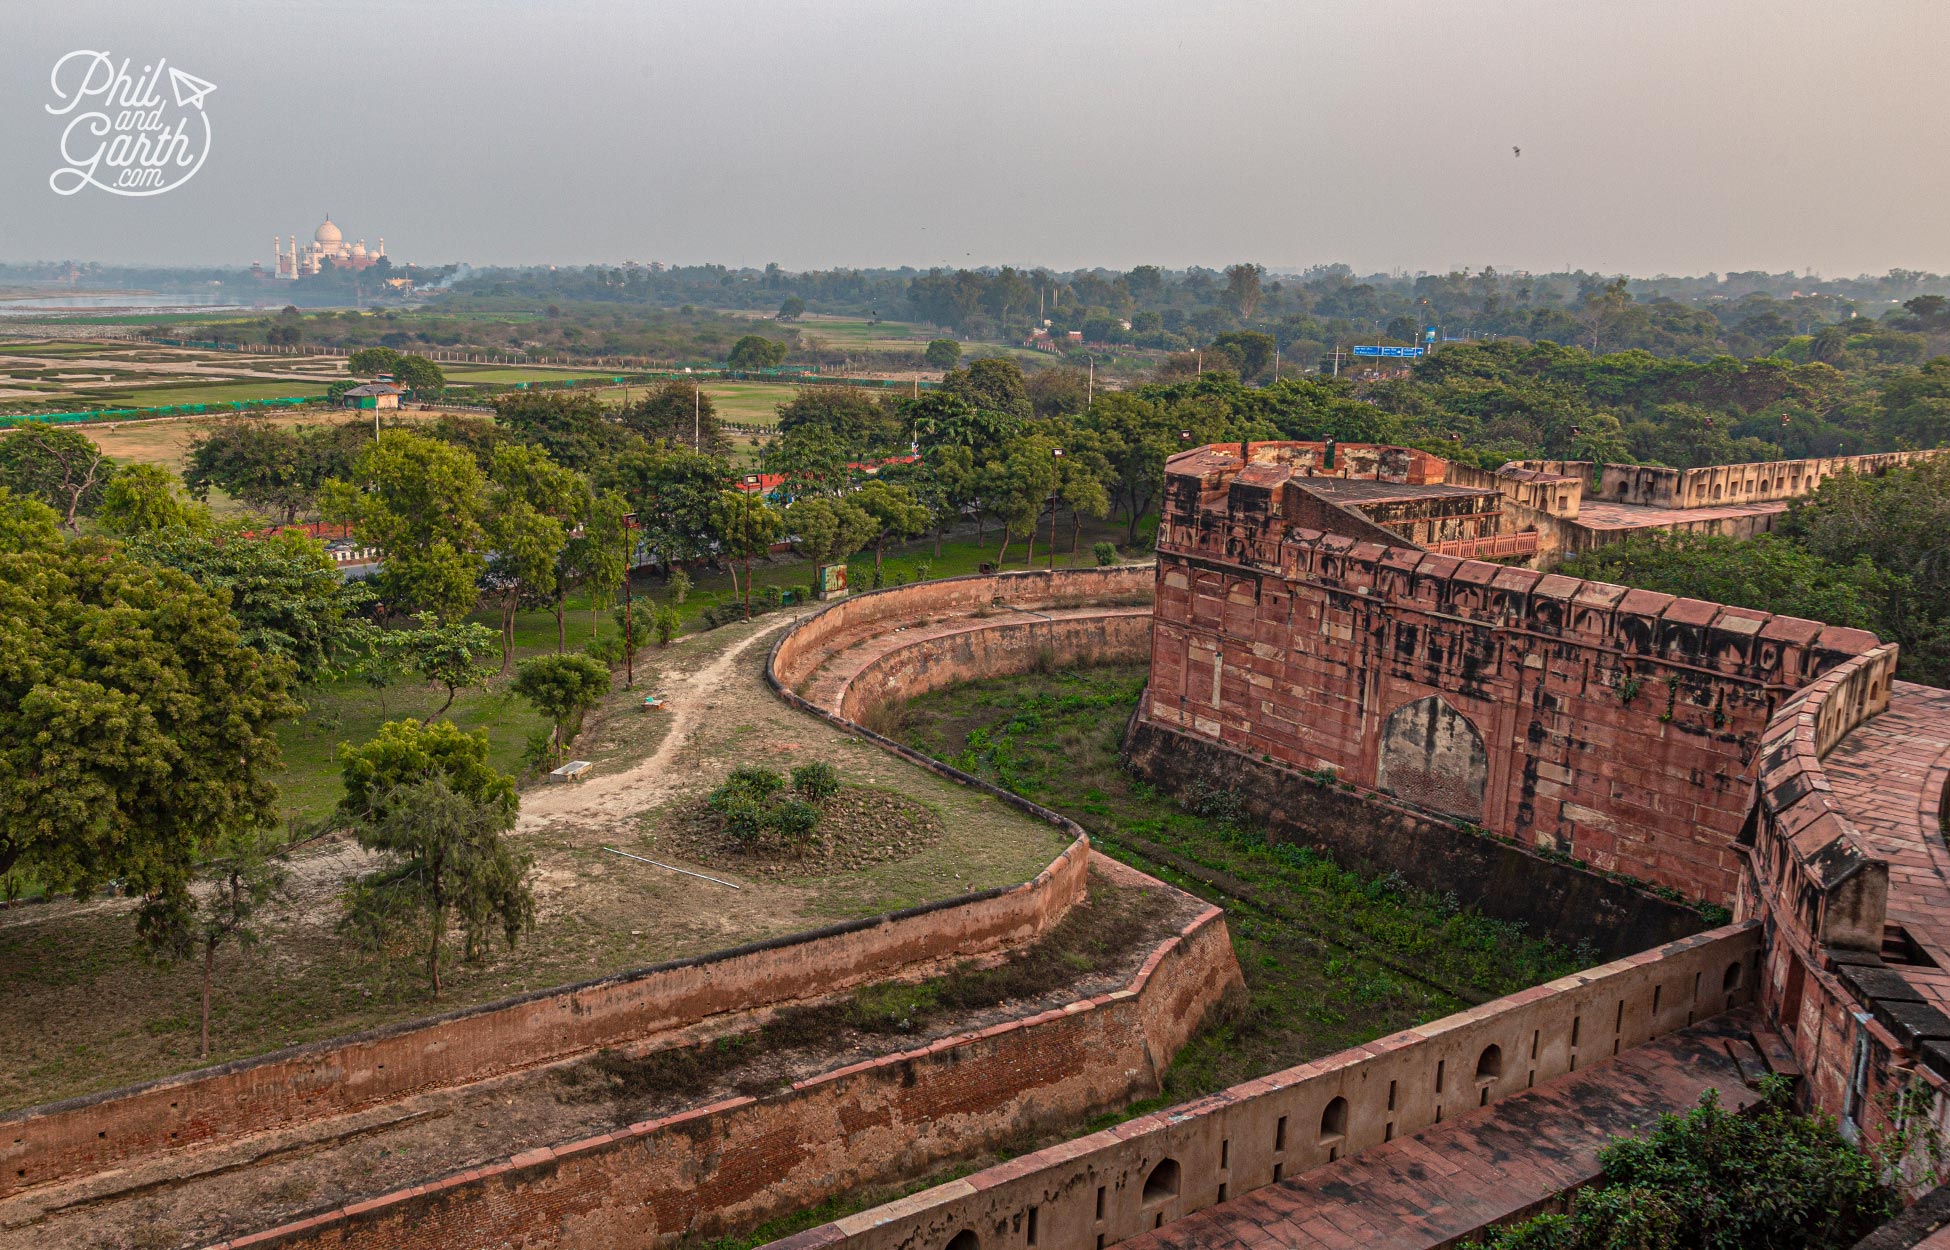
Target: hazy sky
<point>1657,137</point>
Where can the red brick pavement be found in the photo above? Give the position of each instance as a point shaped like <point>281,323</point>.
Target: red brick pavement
<point>1454,1178</point>
<point>1888,778</point>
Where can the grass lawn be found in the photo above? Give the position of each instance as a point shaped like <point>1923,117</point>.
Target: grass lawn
<point>61,348</point>
<point>1331,959</point>
<point>167,442</point>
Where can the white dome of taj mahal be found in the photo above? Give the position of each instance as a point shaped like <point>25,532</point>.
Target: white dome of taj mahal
<point>327,233</point>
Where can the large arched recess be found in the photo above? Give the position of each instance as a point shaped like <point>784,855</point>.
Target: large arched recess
<point>1432,755</point>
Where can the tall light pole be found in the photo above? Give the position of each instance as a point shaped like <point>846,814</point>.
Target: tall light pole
<point>1090,387</point>
<point>1056,459</point>
<point>752,483</point>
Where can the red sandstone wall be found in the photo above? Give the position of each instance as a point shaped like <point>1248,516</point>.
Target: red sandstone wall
<point>741,1161</point>
<point>1317,640</point>
<point>1238,1137</point>
<point>993,648</point>
<point>811,642</point>
<point>330,1078</point>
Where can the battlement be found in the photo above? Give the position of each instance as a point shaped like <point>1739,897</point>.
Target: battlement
<point>1714,486</point>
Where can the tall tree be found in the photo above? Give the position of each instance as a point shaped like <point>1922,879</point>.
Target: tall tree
<point>242,877</point>
<point>447,859</point>
<point>422,503</point>
<point>57,465</point>
<point>146,499</point>
<point>993,382</point>
<point>678,412</point>
<point>747,526</point>
<point>896,513</point>
<point>289,598</point>
<point>755,352</point>
<point>828,530</point>
<point>134,723</point>
<point>533,504</point>
<point>562,688</point>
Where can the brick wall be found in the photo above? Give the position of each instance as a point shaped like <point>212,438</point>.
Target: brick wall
<point>87,1134</point>
<point>1620,726</point>
<point>991,648</point>
<point>741,1161</point>
<point>1091,1192</point>
<point>829,630</point>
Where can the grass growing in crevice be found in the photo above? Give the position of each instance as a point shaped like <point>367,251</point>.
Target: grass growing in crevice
<point>1331,958</point>
<point>1089,940</point>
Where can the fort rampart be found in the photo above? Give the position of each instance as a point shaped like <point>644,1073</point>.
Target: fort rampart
<point>738,1162</point>
<point>1112,1185</point>
<point>323,1079</point>
<point>1617,726</point>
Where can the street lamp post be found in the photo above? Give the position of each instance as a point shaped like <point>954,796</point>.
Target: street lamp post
<point>1056,458</point>
<point>752,482</point>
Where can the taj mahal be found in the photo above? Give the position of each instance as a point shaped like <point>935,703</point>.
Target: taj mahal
<point>327,243</point>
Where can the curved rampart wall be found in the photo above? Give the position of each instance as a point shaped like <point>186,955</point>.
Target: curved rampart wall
<point>992,648</point>
<point>1859,1029</point>
<point>82,1135</point>
<point>813,641</point>
<point>741,1161</point>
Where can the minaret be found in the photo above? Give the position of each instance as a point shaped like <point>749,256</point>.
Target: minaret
<point>277,257</point>
<point>382,246</point>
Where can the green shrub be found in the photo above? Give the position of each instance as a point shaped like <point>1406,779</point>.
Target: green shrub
<point>816,782</point>
<point>744,815</point>
<point>679,584</point>
<point>793,820</point>
<point>1106,554</point>
<point>668,622</point>
<point>760,783</point>
<point>608,648</point>
<point>771,596</point>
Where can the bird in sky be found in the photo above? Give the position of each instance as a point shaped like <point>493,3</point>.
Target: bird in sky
<point>1517,151</point>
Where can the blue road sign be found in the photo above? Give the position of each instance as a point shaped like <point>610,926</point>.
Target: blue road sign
<point>1387,351</point>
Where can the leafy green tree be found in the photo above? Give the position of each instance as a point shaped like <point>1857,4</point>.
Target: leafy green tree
<point>673,492</point>
<point>994,383</point>
<point>421,378</point>
<point>370,362</point>
<point>679,413</point>
<point>1714,1179</point>
<point>827,530</point>
<point>755,352</point>
<point>748,527</point>
<point>447,859</point>
<point>597,558</point>
<point>406,752</point>
<point>1243,289</point>
<point>1253,349</point>
<point>897,514</point>
<point>289,599</point>
<point>572,427</point>
<point>942,354</point>
<point>243,878</point>
<point>533,503</point>
<point>57,465</point>
<point>856,418</point>
<point>146,499</point>
<point>446,655</point>
<point>943,420</point>
<point>1769,573</point>
<point>422,503</point>
<point>791,308</point>
<point>1081,474</point>
<point>1916,404</point>
<point>1016,485</point>
<point>135,725</point>
<point>27,524</point>
<point>253,462</point>
<point>812,459</point>
<point>562,688</point>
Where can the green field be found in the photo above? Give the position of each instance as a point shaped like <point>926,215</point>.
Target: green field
<point>61,348</point>
<point>498,373</point>
<point>211,392</point>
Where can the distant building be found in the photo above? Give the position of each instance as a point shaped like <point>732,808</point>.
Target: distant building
<point>373,395</point>
<point>327,244</point>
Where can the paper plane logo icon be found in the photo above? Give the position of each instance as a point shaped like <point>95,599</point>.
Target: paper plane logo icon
<point>189,89</point>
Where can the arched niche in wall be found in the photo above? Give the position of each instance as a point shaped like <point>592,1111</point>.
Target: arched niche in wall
<point>1432,755</point>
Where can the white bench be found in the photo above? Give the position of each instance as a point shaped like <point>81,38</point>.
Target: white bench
<point>571,771</point>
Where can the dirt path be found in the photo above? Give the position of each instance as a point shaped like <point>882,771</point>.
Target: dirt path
<point>606,802</point>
